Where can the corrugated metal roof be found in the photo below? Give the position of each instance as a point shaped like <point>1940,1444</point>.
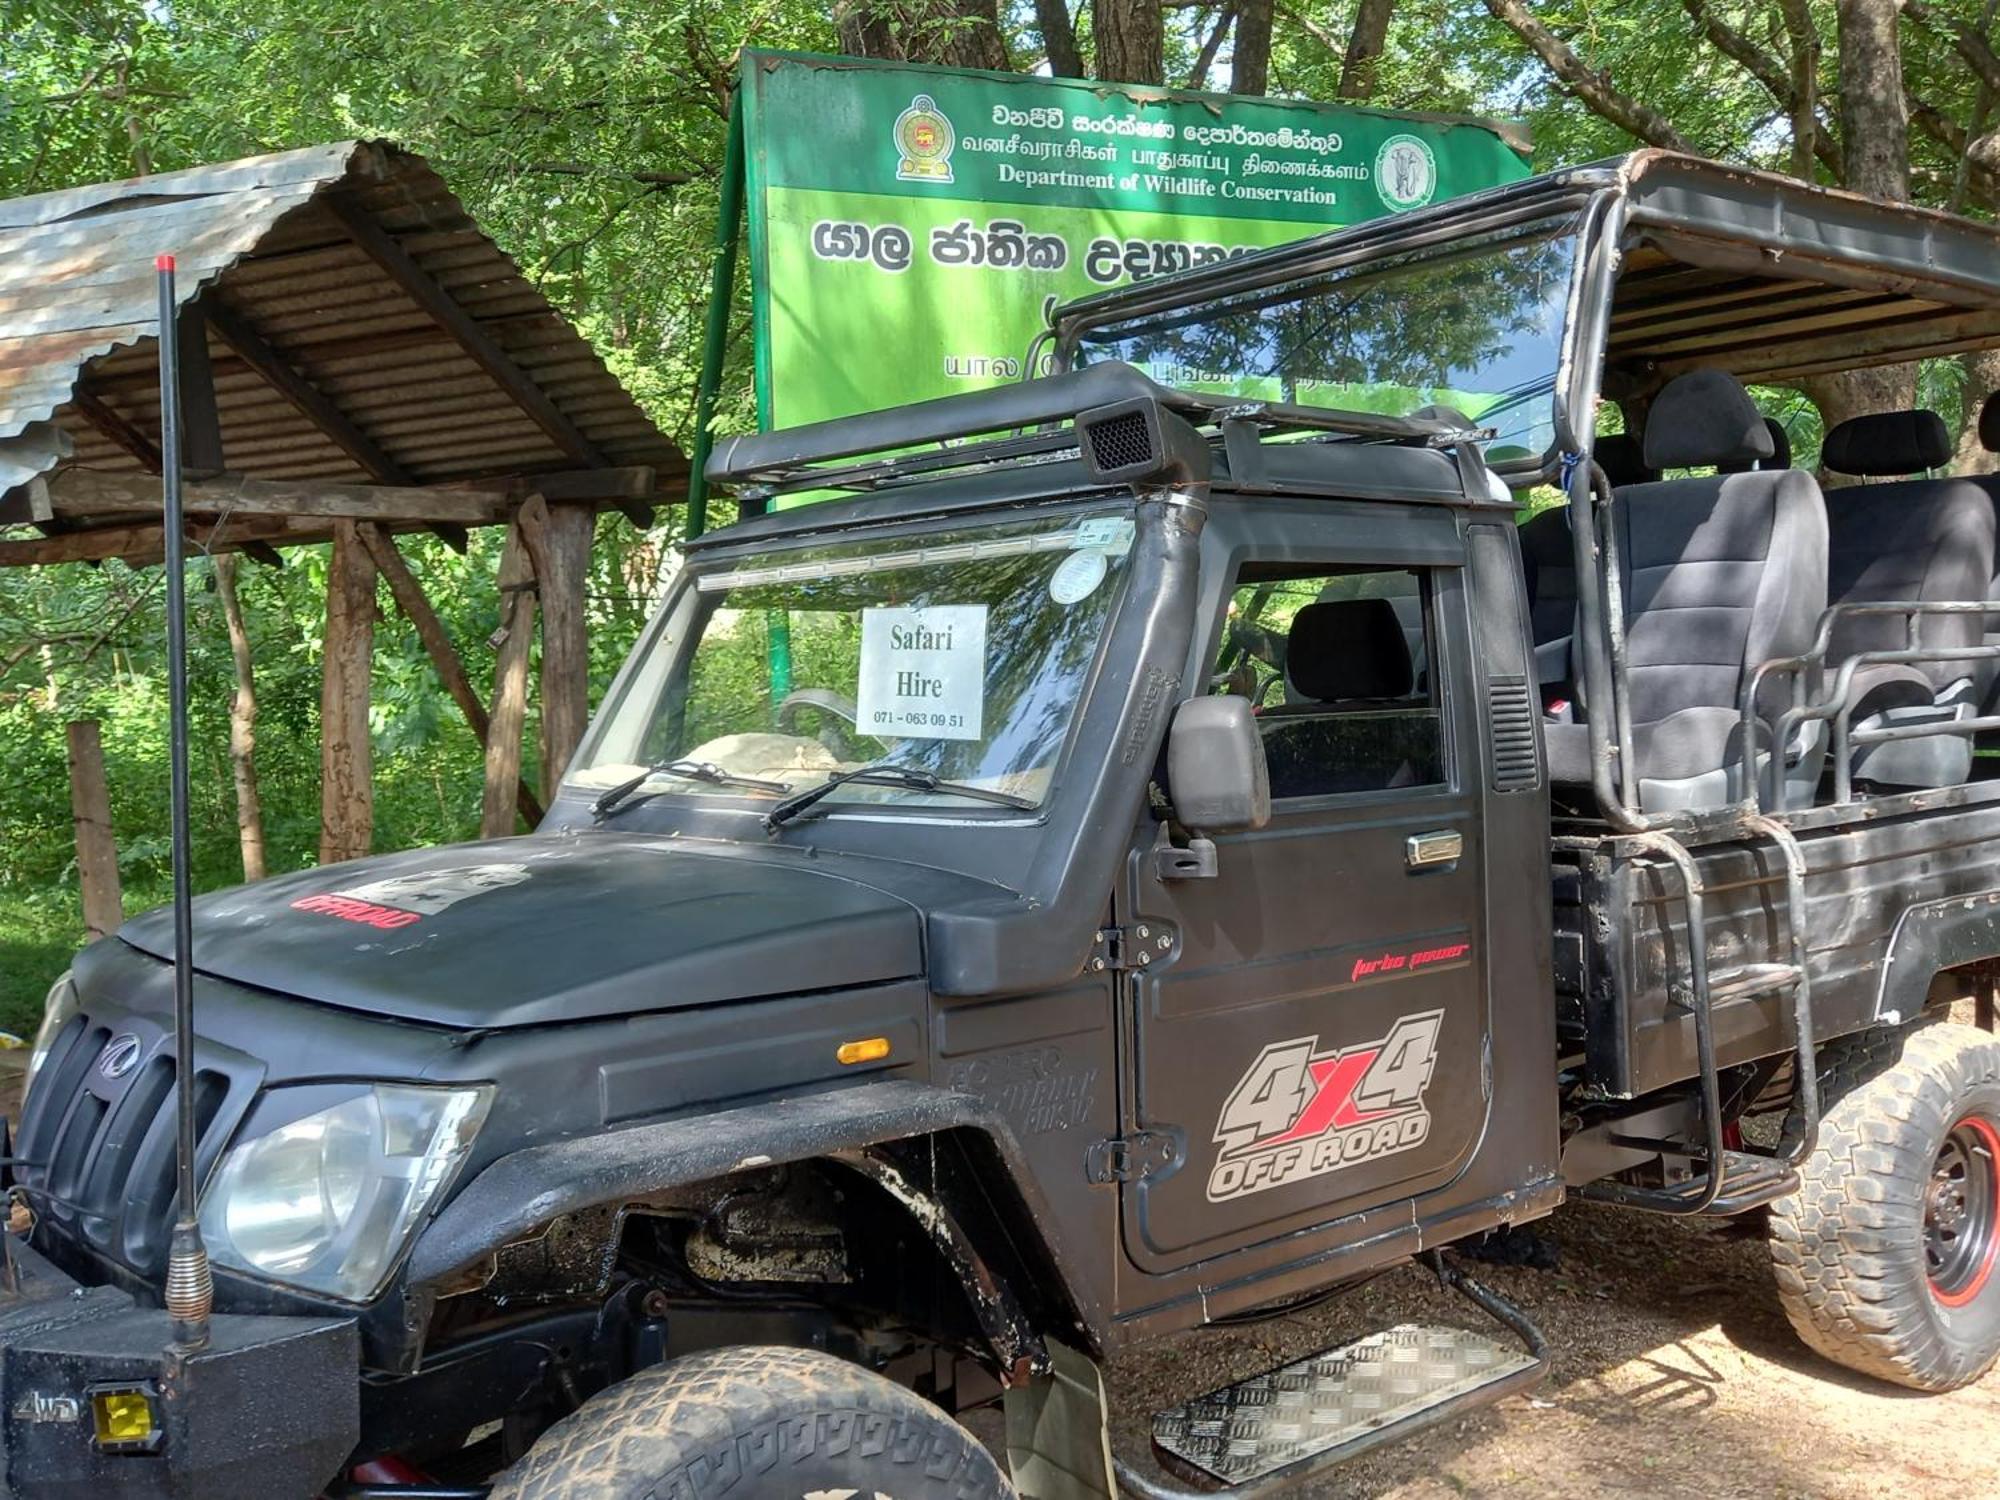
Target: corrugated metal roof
<point>261,239</point>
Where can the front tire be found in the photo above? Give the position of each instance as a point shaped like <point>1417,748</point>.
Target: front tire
<point>1888,1256</point>
<point>755,1424</point>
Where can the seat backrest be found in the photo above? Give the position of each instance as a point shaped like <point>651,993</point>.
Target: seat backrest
<point>1720,572</point>
<point>1915,539</point>
<point>1548,559</point>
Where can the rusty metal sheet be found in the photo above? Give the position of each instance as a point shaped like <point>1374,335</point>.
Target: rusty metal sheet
<point>77,297</point>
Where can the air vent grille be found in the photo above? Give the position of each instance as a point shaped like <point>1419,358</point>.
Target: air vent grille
<point>1123,441</point>
<point>1510,708</point>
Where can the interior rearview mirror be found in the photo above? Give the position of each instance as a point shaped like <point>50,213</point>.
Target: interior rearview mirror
<point>1216,774</point>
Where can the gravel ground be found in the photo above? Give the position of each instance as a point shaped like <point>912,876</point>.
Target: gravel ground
<point>1676,1375</point>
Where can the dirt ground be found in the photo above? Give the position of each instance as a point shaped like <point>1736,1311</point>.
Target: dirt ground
<point>1676,1375</point>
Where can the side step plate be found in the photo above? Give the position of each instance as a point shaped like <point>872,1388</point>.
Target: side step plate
<point>1301,1414</point>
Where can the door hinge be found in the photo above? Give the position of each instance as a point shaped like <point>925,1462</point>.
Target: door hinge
<point>1136,947</point>
<point>1128,1158</point>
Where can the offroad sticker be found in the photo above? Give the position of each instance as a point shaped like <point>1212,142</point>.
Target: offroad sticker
<point>1300,1112</point>
<point>401,900</point>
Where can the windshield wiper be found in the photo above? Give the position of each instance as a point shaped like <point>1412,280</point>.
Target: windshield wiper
<point>620,796</point>
<point>884,773</point>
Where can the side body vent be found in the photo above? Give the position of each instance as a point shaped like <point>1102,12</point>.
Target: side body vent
<point>1510,710</point>
<point>1505,660</point>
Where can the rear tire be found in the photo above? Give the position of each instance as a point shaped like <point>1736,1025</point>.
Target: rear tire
<point>755,1424</point>
<point>1886,1256</point>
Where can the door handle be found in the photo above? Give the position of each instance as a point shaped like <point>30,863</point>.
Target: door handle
<point>1422,851</point>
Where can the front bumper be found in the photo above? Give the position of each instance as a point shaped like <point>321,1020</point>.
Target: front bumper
<point>268,1410</point>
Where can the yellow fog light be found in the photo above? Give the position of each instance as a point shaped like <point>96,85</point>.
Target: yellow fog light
<point>124,1419</point>
<point>868,1049</point>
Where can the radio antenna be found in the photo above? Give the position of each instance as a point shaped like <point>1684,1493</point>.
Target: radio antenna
<point>190,1290</point>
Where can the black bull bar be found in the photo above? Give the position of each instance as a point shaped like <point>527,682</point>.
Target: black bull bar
<point>96,1401</point>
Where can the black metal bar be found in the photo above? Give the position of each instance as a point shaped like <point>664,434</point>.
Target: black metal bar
<point>190,1292</point>
<point>1805,1045</point>
<point>1670,1200</point>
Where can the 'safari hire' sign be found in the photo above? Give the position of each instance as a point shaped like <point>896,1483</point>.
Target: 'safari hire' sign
<point>923,672</point>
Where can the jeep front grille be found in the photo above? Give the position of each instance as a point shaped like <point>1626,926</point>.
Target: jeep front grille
<point>95,1151</point>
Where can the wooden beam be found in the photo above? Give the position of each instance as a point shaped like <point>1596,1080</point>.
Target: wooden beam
<point>92,492</point>
<point>311,403</point>
<point>143,543</point>
<point>117,428</point>
<point>498,805</point>
<point>387,252</point>
<point>626,482</point>
<point>201,418</point>
<point>565,642</point>
<point>416,608</point>
<point>96,851</point>
<point>347,786</point>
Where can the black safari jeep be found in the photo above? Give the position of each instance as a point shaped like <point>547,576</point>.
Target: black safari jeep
<point>1131,858</point>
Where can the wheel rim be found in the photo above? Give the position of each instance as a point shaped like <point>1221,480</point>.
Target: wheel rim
<point>1962,1211</point>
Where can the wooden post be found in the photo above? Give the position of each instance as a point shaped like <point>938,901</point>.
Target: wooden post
<point>96,851</point>
<point>242,724</point>
<point>565,642</point>
<point>510,676</point>
<point>347,789</point>
<point>416,608</point>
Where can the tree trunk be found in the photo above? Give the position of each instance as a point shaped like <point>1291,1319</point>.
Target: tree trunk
<point>242,723</point>
<point>565,646</point>
<point>1250,68</point>
<point>346,761</point>
<point>1593,86</point>
<point>950,33</point>
<point>1875,153</point>
<point>1364,49</point>
<point>96,851</point>
<point>1059,38</point>
<point>498,808</point>
<point>1982,380</point>
<point>1130,41</point>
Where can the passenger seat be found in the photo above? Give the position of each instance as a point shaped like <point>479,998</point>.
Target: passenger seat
<point>1549,561</point>
<point>1927,540</point>
<point>1719,573</point>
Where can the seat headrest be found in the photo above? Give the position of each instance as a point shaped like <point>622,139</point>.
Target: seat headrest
<point>1888,442</point>
<point>1989,424</point>
<point>1619,455</point>
<point>1704,419</point>
<point>1348,648</point>
<point>1781,452</point>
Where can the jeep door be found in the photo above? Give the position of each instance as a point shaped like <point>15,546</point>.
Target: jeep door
<point>1308,1026</point>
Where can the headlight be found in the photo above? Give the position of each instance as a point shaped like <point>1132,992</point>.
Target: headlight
<point>327,1201</point>
<point>56,1011</point>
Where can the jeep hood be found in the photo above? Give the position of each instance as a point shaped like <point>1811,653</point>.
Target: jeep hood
<point>525,932</point>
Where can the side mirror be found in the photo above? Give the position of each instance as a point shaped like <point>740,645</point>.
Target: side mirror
<point>1216,772</point>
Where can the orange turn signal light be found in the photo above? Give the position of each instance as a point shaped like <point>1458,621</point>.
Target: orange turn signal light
<point>867,1049</point>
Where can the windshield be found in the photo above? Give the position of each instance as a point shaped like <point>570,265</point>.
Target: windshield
<point>961,653</point>
<point>1477,328</point>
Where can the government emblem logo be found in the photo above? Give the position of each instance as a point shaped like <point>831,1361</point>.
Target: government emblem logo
<point>924,139</point>
<point>1406,172</point>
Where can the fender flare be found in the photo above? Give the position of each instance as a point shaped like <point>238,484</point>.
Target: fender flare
<point>1928,939</point>
<point>522,1190</point>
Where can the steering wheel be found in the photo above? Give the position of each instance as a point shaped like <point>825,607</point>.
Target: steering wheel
<point>832,706</point>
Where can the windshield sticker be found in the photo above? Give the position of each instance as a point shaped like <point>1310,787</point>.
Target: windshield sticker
<point>1077,576</point>
<point>1112,533</point>
<point>403,899</point>
<point>923,672</point>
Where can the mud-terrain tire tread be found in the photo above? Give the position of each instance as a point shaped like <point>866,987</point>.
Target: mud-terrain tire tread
<point>737,1423</point>
<point>1846,1247</point>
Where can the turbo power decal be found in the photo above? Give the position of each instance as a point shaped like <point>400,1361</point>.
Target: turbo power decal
<point>1299,1113</point>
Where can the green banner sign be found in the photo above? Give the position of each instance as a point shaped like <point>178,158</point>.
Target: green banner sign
<point>909,225</point>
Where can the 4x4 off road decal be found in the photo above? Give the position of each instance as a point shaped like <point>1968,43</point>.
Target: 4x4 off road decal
<point>1300,1112</point>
